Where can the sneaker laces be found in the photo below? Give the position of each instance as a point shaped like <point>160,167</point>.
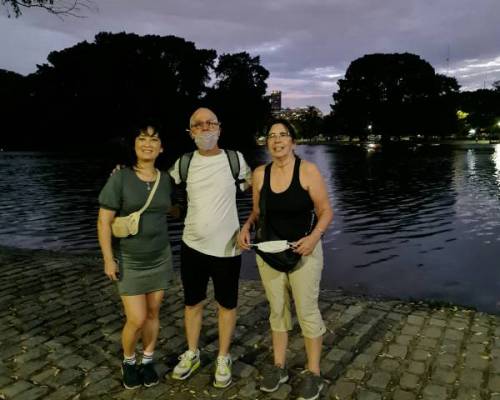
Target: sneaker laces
<point>186,357</point>
<point>222,365</point>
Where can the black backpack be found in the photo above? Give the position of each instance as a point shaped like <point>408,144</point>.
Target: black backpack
<point>232,158</point>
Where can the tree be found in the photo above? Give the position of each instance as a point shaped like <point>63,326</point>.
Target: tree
<point>12,94</point>
<point>239,98</point>
<point>98,91</point>
<point>56,7</point>
<point>482,107</point>
<point>392,95</point>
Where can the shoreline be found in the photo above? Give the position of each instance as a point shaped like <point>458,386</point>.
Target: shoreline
<point>60,339</point>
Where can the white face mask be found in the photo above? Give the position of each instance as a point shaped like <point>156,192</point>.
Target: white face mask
<point>206,141</point>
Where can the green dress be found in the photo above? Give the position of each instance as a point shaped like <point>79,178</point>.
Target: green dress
<point>145,259</point>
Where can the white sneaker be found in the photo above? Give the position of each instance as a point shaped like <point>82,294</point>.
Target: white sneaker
<point>189,362</point>
<point>222,377</point>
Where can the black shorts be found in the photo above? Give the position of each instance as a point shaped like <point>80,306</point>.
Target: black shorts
<point>197,268</point>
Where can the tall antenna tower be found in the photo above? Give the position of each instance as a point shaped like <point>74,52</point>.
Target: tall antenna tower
<point>448,60</point>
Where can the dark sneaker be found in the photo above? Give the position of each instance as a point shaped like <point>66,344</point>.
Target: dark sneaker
<point>273,376</point>
<point>189,361</point>
<point>310,387</point>
<point>223,370</point>
<point>149,375</point>
<point>131,376</point>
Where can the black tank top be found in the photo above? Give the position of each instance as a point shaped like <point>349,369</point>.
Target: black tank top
<point>290,213</point>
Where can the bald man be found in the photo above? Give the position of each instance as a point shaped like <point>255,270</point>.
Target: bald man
<point>209,249</point>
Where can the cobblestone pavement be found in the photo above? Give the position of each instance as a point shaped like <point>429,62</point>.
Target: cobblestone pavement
<point>60,323</point>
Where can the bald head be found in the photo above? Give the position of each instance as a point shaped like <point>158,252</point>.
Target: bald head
<point>202,114</point>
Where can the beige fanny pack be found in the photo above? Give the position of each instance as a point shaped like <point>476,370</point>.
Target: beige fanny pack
<point>129,225</point>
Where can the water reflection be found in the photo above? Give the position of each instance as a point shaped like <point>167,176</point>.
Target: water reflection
<point>419,222</point>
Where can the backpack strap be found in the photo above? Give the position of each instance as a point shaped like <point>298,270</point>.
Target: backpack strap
<point>184,163</point>
<point>234,164</point>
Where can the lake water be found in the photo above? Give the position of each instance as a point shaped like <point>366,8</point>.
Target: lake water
<point>410,222</point>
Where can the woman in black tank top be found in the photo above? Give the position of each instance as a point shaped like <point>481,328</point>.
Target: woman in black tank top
<point>298,210</point>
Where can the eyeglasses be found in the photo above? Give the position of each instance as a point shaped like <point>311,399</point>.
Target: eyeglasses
<point>276,135</point>
<point>200,124</point>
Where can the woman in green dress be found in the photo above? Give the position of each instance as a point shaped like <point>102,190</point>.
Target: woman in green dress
<point>141,264</point>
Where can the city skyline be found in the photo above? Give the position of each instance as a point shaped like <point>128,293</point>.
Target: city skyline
<point>305,45</point>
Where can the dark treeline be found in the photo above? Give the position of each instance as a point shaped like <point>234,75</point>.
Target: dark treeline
<point>394,95</point>
<point>92,96</point>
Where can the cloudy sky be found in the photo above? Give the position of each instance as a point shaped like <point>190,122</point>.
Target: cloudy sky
<point>305,44</point>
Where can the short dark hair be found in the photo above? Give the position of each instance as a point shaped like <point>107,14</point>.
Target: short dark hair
<point>287,124</point>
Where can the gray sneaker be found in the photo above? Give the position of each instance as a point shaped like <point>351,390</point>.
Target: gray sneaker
<point>223,368</point>
<point>189,361</point>
<point>310,387</point>
<point>273,376</point>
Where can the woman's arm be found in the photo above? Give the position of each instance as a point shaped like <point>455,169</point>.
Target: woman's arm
<point>314,183</point>
<point>257,180</point>
<point>104,234</point>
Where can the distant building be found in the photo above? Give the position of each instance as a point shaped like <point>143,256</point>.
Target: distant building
<point>292,114</point>
<point>275,101</point>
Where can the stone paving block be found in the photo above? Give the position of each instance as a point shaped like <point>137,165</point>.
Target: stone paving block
<point>368,395</point>
<point>363,361</point>
<point>339,355</point>
<point>250,390</point>
<point>403,395</point>
<point>495,366</point>
<point>444,376</point>
<point>476,361</point>
<point>447,361</point>
<point>16,388</point>
<point>100,388</point>
<point>421,355</point>
<point>432,332</point>
<point>415,320</point>
<point>34,393</point>
<point>404,340</point>
<point>410,330</point>
<point>374,348</point>
<point>27,369</point>
<point>437,322</point>
<point>427,343</point>
<point>379,380</point>
<point>409,381</point>
<point>453,334</point>
<point>494,383</point>
<point>397,351</point>
<point>63,393</point>
<point>356,375</point>
<point>282,393</point>
<point>242,370</point>
<point>70,361</point>
<point>416,367</point>
<point>471,378</point>
<point>458,323</point>
<point>389,365</point>
<point>342,390</point>
<point>468,394</point>
<point>450,347</point>
<point>434,392</point>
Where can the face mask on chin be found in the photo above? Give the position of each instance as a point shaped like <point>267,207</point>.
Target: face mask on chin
<point>206,141</point>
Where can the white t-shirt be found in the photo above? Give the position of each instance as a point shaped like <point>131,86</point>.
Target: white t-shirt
<point>212,224</point>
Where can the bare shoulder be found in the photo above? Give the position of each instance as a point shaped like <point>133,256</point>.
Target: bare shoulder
<point>308,168</point>
<point>258,176</point>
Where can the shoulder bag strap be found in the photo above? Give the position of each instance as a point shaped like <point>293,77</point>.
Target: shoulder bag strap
<point>148,201</point>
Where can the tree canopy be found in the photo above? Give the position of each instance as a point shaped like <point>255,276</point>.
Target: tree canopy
<point>393,95</point>
<point>97,92</point>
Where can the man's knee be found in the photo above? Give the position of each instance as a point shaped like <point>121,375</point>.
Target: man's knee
<point>194,308</point>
